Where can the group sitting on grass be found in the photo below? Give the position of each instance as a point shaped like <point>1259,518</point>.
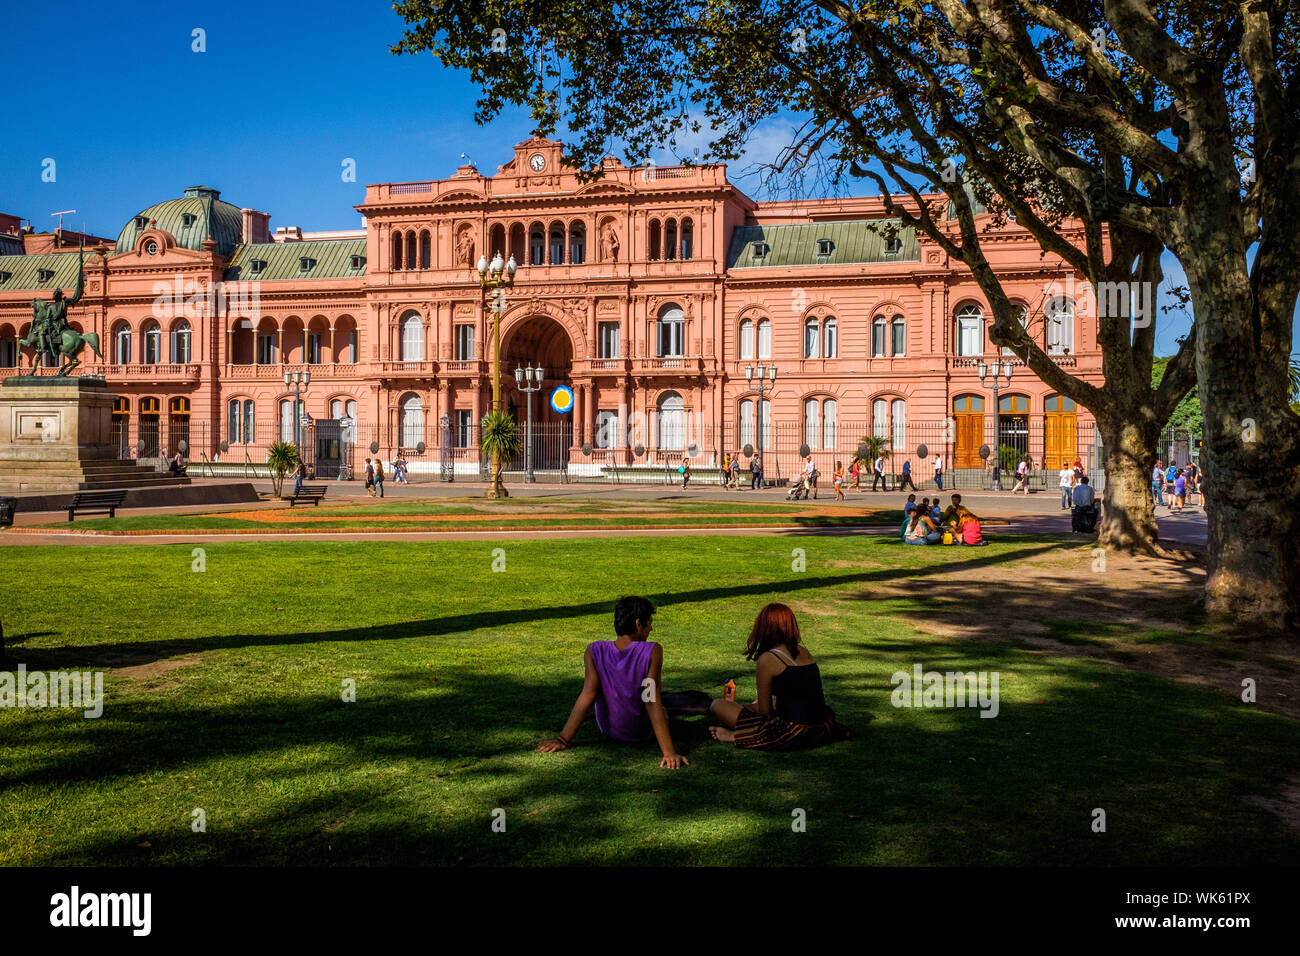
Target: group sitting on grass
<point>623,680</point>
<point>923,523</point>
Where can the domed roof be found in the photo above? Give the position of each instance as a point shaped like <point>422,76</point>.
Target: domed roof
<point>191,219</point>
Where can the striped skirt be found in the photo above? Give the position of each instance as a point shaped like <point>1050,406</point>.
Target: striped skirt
<point>757,732</point>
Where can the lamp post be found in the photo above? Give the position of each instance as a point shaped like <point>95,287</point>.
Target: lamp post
<point>995,383</point>
<point>496,276</point>
<point>757,378</point>
<point>529,381</point>
<point>298,381</point>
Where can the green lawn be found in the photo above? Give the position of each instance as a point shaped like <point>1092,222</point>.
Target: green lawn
<point>461,670</point>
<point>480,514</point>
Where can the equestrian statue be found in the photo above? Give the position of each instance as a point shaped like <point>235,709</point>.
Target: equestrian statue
<point>52,337</point>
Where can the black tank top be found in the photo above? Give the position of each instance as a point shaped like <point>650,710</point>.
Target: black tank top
<point>798,693</point>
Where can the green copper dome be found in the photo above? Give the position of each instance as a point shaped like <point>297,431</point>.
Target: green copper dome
<point>191,219</point>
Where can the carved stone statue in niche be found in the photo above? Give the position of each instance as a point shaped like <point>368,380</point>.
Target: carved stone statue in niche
<point>465,248</point>
<point>609,245</point>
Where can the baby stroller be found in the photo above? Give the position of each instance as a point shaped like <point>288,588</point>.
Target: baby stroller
<point>800,487</point>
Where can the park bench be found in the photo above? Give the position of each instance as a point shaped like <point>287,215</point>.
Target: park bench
<point>312,493</point>
<point>96,502</point>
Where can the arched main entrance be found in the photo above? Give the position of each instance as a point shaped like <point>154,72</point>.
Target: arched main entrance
<point>539,341</point>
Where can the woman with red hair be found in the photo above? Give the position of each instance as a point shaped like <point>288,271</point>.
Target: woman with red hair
<point>790,712</point>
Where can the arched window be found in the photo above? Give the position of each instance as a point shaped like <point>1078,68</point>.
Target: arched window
<point>1059,403</point>
<point>410,250</point>
<point>1059,313</point>
<point>426,250</point>
<point>688,239</point>
<point>233,422</point>
<point>672,422</point>
<point>497,242</point>
<point>287,432</point>
<point>557,244</point>
<point>180,344</point>
<point>411,421</point>
<point>747,339</point>
<point>672,329</point>
<point>830,415</point>
<point>880,418</point>
<point>764,338</point>
<point>412,337</point>
<point>8,348</point>
<point>1022,315</point>
<point>898,425</point>
<point>811,348</point>
<point>670,239</point>
<point>898,329</point>
<point>577,243</point>
<point>518,244</point>
<point>811,422</point>
<point>878,337</point>
<point>747,422</point>
<point>970,330</point>
<point>152,343</point>
<point>397,251</point>
<point>537,244</point>
<point>654,239</point>
<point>830,338</point>
<point>122,344</point>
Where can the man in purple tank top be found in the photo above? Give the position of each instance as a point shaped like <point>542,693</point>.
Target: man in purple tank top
<point>623,685</point>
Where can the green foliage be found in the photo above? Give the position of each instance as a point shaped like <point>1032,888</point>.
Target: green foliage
<point>500,435</point>
<point>281,458</point>
<point>1188,413</point>
<point>876,445</point>
<point>1009,457</point>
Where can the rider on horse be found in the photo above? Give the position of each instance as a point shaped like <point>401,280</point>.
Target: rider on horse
<point>50,319</point>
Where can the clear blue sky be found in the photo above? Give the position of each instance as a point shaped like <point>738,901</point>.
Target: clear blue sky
<point>286,90</point>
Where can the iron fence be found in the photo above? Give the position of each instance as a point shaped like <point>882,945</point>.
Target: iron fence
<point>337,449</point>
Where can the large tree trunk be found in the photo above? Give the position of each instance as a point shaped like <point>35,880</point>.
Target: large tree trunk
<point>1252,444</point>
<point>1128,521</point>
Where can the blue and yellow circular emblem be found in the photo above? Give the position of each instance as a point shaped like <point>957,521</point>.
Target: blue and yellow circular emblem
<point>562,399</point>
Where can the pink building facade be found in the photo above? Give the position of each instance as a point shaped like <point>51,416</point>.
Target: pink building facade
<point>653,293</point>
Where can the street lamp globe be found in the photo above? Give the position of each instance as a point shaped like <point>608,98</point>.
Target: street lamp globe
<point>511,266</point>
<point>1006,368</point>
<point>983,370</point>
<point>286,379</point>
<point>498,265</point>
<point>482,267</point>
<point>749,373</point>
<point>762,372</point>
<point>519,377</point>
<point>773,371</point>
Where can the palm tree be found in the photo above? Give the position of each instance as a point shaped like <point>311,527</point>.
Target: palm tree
<point>875,446</point>
<point>500,440</point>
<point>281,459</point>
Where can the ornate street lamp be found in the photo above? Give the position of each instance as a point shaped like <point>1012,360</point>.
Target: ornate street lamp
<point>757,378</point>
<point>496,276</point>
<point>529,381</point>
<point>994,383</point>
<point>298,381</point>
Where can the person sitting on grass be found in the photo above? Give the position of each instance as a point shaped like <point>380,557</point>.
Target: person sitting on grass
<point>908,508</point>
<point>951,518</point>
<point>921,529</point>
<point>968,529</point>
<point>618,675</point>
<point>790,712</point>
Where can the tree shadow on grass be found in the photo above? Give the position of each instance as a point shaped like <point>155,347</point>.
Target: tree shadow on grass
<point>410,775</point>
<point>130,653</point>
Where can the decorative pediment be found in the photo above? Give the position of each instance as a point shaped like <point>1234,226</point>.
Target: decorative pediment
<point>603,187</point>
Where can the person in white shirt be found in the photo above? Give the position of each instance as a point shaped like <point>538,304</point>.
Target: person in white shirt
<point>878,468</point>
<point>810,473</point>
<point>1022,477</point>
<point>938,472</point>
<point>1067,479</point>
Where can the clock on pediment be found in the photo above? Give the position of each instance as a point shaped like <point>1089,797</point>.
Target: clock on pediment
<point>537,162</point>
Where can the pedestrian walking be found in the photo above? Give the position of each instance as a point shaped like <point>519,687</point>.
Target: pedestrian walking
<point>755,473</point>
<point>839,481</point>
<point>370,478</point>
<point>810,470</point>
<point>1158,482</point>
<point>938,472</point>
<point>379,478</point>
<point>1022,476</point>
<point>1067,485</point>
<point>906,482</point>
<point>878,472</point>
<point>684,469</point>
<point>298,474</point>
<point>855,472</point>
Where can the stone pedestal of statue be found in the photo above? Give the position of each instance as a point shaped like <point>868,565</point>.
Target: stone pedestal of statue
<point>56,435</point>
